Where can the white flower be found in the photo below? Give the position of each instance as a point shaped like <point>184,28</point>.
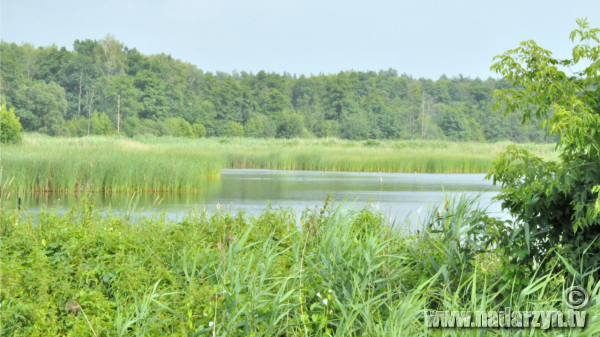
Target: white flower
<point>318,294</point>
<point>205,314</point>
<point>210,323</point>
<point>330,291</point>
<point>325,302</point>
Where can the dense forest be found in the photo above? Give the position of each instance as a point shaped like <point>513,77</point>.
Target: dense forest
<point>103,87</point>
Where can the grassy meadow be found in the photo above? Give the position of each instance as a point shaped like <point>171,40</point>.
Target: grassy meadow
<point>43,163</point>
<point>343,273</point>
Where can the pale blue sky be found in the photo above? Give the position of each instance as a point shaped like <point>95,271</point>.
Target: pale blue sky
<point>421,38</point>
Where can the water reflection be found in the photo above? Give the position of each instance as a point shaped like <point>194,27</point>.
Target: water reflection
<point>251,191</point>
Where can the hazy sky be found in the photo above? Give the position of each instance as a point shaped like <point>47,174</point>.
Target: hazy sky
<point>420,38</point>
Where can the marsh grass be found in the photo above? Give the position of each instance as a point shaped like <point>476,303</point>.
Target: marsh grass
<point>343,273</point>
<point>44,164</point>
<point>148,163</point>
<point>345,155</point>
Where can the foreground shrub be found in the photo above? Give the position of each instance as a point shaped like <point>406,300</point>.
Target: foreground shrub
<point>556,205</point>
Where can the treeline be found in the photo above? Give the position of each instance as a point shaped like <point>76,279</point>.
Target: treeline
<point>103,87</point>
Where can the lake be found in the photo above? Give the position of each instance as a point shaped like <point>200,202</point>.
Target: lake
<point>400,194</point>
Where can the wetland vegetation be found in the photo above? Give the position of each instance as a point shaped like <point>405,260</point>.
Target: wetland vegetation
<point>221,274</point>
<point>148,163</point>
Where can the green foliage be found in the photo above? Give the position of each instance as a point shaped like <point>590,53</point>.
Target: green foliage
<point>554,203</point>
<point>260,126</point>
<point>371,142</point>
<point>130,126</point>
<point>100,124</point>
<point>10,127</point>
<point>291,125</point>
<point>42,107</point>
<point>180,127</point>
<point>344,274</point>
<point>153,99</point>
<point>49,85</point>
<point>199,130</point>
<point>78,126</point>
<point>233,129</point>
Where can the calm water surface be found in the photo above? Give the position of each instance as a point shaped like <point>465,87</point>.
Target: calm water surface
<point>403,194</point>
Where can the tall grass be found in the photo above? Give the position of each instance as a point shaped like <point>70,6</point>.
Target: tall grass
<point>423,156</point>
<point>43,163</point>
<point>113,164</point>
<point>343,274</point>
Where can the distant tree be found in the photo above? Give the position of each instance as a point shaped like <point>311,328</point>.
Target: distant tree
<point>291,125</point>
<point>354,127</point>
<point>480,93</point>
<point>260,126</point>
<point>130,126</point>
<point>153,98</point>
<point>43,107</point>
<point>132,88</point>
<point>454,124</point>
<point>110,56</point>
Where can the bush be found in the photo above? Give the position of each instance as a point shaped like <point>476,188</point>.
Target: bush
<point>371,143</point>
<point>260,126</point>
<point>179,127</point>
<point>234,129</point>
<point>78,126</point>
<point>101,124</point>
<point>291,125</point>
<point>10,126</point>
<point>199,130</point>
<point>555,204</point>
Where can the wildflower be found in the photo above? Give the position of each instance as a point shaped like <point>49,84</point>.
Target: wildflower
<point>325,302</point>
<point>318,294</point>
<point>210,323</point>
<point>330,291</point>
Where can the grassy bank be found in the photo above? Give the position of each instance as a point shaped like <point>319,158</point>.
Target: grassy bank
<point>343,274</point>
<point>149,163</point>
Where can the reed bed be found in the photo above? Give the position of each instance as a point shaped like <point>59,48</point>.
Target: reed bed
<point>341,274</point>
<point>43,163</point>
<point>422,156</point>
<point>105,165</point>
